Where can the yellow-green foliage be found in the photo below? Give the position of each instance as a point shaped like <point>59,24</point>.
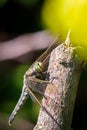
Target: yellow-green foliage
<point>62,15</point>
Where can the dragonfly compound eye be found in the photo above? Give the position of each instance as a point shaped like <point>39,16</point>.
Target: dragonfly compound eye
<point>38,67</point>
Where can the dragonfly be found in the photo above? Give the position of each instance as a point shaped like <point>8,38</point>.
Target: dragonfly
<point>35,79</point>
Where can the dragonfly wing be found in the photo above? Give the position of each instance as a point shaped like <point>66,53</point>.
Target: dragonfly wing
<point>49,49</point>
<point>33,97</point>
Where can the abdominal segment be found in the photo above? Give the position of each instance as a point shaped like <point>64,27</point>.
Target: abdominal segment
<point>20,103</point>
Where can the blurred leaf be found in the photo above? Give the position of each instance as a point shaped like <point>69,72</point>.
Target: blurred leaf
<point>7,107</point>
<point>35,112</point>
<point>61,15</point>
<point>18,75</point>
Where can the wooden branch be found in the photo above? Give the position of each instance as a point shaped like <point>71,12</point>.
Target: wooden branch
<point>63,73</point>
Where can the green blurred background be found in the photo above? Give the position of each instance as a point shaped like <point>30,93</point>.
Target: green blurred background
<point>19,17</point>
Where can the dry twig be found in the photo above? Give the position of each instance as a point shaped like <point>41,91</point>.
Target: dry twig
<point>63,73</point>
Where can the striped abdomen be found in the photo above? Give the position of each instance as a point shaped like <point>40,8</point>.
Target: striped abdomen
<point>21,101</point>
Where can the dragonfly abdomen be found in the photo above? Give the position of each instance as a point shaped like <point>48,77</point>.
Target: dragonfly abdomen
<point>20,103</point>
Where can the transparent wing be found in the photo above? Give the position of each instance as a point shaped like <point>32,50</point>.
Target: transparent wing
<point>49,49</point>
<point>33,97</point>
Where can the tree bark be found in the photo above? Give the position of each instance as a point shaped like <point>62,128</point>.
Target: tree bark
<point>63,74</point>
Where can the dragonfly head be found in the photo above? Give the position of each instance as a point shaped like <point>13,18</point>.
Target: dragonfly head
<point>38,66</point>
<point>34,70</point>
